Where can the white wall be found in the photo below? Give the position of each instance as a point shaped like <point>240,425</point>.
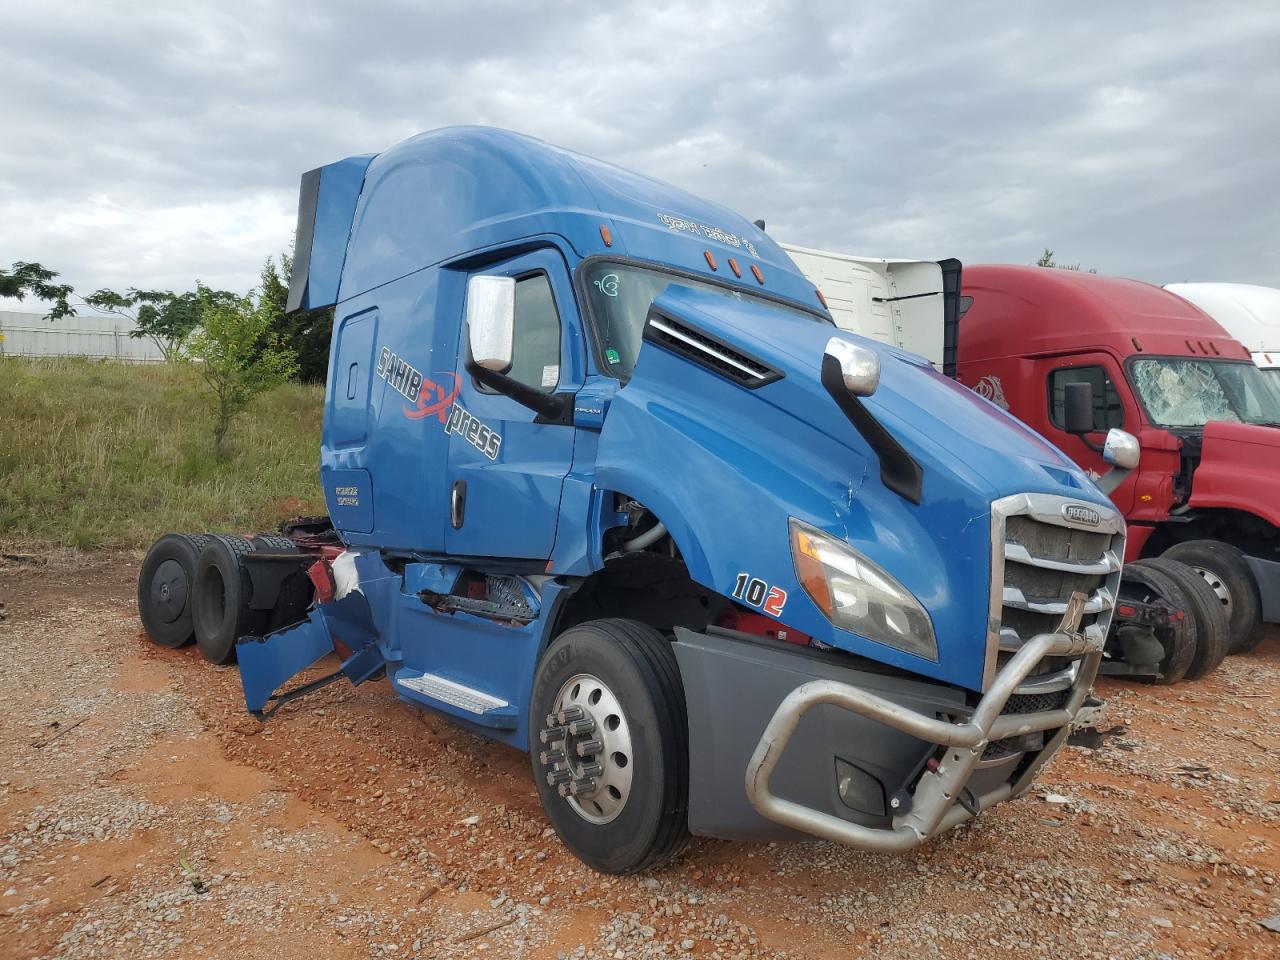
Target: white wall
<point>84,335</point>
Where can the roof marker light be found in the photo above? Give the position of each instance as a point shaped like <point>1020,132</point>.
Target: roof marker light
<point>755,272</point>
<point>1189,346</point>
<point>821,299</point>
<point>733,265</point>
<point>1214,347</point>
<point>1137,344</point>
<point>606,235</point>
<point>1202,349</point>
<point>711,261</point>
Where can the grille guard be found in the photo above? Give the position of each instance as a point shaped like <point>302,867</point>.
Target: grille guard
<point>935,808</point>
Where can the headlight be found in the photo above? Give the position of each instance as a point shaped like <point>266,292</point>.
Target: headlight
<point>858,596</point>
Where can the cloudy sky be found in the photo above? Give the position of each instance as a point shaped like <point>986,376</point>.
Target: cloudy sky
<point>148,144</point>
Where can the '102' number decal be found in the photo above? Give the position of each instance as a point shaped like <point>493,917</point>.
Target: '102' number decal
<point>757,593</point>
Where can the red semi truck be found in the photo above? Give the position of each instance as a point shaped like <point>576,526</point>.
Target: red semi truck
<point>1075,356</point>
<point>1207,487</point>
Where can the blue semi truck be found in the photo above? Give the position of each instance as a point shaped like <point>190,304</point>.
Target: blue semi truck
<point>606,483</point>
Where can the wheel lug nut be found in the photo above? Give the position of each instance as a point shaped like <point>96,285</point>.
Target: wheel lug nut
<point>579,728</point>
<point>551,734</point>
<point>558,777</point>
<point>549,757</point>
<point>589,748</point>
<point>585,785</point>
<point>570,714</point>
<point>589,770</point>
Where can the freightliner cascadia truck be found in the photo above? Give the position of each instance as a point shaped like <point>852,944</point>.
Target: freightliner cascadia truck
<point>1075,355</point>
<point>607,484</point>
<point>1207,489</point>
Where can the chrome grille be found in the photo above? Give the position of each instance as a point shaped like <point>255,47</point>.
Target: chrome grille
<point>1039,558</point>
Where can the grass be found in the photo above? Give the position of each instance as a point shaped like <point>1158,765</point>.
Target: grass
<point>103,454</point>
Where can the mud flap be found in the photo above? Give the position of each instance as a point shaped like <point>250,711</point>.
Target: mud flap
<point>1267,573</point>
<point>344,626</point>
<point>266,663</point>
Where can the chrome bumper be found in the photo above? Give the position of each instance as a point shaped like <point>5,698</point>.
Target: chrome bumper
<point>934,807</point>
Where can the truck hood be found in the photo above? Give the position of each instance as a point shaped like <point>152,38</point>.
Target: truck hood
<point>930,414</point>
<point>1239,464</point>
<point>725,467</point>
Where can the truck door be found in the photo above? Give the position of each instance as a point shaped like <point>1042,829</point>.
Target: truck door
<point>506,470</point>
<point>1113,406</point>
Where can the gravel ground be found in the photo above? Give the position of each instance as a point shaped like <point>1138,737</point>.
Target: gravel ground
<point>144,814</point>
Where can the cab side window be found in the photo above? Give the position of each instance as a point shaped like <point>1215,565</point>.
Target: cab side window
<point>1108,412</point>
<point>536,346</point>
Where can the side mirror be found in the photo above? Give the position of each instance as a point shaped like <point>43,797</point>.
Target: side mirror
<point>491,321</point>
<point>859,366</point>
<point>1077,408</point>
<point>1121,449</point>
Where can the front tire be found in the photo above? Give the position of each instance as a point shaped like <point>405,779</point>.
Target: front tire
<point>1227,573</point>
<point>621,804</point>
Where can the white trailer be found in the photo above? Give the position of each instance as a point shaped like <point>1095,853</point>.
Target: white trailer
<point>907,303</point>
<point>1249,313</point>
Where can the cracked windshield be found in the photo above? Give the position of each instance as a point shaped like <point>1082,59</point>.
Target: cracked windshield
<point>1190,393</point>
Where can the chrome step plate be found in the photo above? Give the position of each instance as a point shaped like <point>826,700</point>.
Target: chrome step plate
<point>453,693</point>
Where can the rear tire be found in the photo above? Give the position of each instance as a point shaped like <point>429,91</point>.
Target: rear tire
<point>635,670</point>
<point>1228,575</point>
<point>220,610</point>
<point>165,585</point>
<point>1213,633</point>
<point>1148,584</point>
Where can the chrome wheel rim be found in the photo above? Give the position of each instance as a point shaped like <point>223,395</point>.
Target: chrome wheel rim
<point>588,756</point>
<point>1217,586</point>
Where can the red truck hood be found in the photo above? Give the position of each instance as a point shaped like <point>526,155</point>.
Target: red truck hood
<point>1239,470</point>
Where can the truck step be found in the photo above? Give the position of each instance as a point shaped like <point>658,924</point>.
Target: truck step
<point>455,698</point>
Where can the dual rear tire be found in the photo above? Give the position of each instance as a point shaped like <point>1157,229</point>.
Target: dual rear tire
<point>1145,583</point>
<point>196,586</point>
<point>165,586</point>
<point>1212,627</point>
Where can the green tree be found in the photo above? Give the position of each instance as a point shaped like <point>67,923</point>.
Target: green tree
<point>31,279</point>
<point>161,316</point>
<point>237,354</point>
<point>306,331</point>
<point>1046,260</point>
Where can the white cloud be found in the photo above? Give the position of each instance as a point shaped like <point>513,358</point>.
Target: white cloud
<point>150,145</point>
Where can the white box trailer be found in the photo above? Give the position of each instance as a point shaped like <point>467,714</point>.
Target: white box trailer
<point>912,304</point>
<point>1248,312</point>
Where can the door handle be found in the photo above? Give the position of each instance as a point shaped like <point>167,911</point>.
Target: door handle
<point>458,503</point>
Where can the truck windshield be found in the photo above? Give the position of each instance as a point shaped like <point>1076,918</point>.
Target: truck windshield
<point>1190,393</point>
<point>620,296</point>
